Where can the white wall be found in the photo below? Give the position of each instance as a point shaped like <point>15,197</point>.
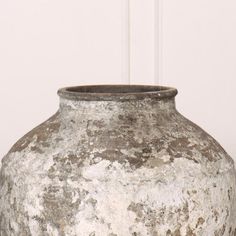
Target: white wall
<point>45,45</point>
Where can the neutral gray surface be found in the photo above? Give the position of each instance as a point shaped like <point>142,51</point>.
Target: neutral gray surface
<point>122,165</point>
<point>45,45</point>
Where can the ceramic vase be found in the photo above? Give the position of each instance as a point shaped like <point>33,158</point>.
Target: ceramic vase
<point>117,160</point>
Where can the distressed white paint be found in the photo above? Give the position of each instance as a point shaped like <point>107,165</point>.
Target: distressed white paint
<point>45,45</point>
<point>167,193</point>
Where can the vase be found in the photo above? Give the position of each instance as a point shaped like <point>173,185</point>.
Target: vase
<point>117,160</point>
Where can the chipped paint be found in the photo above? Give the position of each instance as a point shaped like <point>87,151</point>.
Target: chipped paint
<point>117,168</point>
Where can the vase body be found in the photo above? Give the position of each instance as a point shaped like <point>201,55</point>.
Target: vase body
<point>117,161</point>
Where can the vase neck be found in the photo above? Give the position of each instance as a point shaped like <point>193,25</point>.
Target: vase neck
<point>105,101</point>
<point>78,111</point>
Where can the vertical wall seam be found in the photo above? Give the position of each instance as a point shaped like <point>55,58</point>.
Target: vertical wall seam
<point>129,41</point>
<point>158,42</point>
<point>125,41</point>
<point>161,35</point>
<point>127,27</point>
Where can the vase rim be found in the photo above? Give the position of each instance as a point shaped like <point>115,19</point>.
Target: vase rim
<point>120,92</point>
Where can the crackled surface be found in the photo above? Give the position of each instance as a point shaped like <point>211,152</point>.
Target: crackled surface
<point>117,168</point>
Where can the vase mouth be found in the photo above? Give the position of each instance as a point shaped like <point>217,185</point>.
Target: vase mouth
<point>116,92</point>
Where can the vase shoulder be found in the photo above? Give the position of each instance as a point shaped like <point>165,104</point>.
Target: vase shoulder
<point>121,165</point>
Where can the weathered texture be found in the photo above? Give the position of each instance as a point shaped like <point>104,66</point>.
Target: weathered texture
<point>126,166</point>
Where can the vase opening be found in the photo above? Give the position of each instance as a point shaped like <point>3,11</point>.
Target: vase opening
<point>116,92</point>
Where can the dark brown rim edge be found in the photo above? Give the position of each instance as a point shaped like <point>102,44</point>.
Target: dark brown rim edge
<point>120,92</point>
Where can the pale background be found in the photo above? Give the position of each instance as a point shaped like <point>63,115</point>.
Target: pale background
<point>188,44</point>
